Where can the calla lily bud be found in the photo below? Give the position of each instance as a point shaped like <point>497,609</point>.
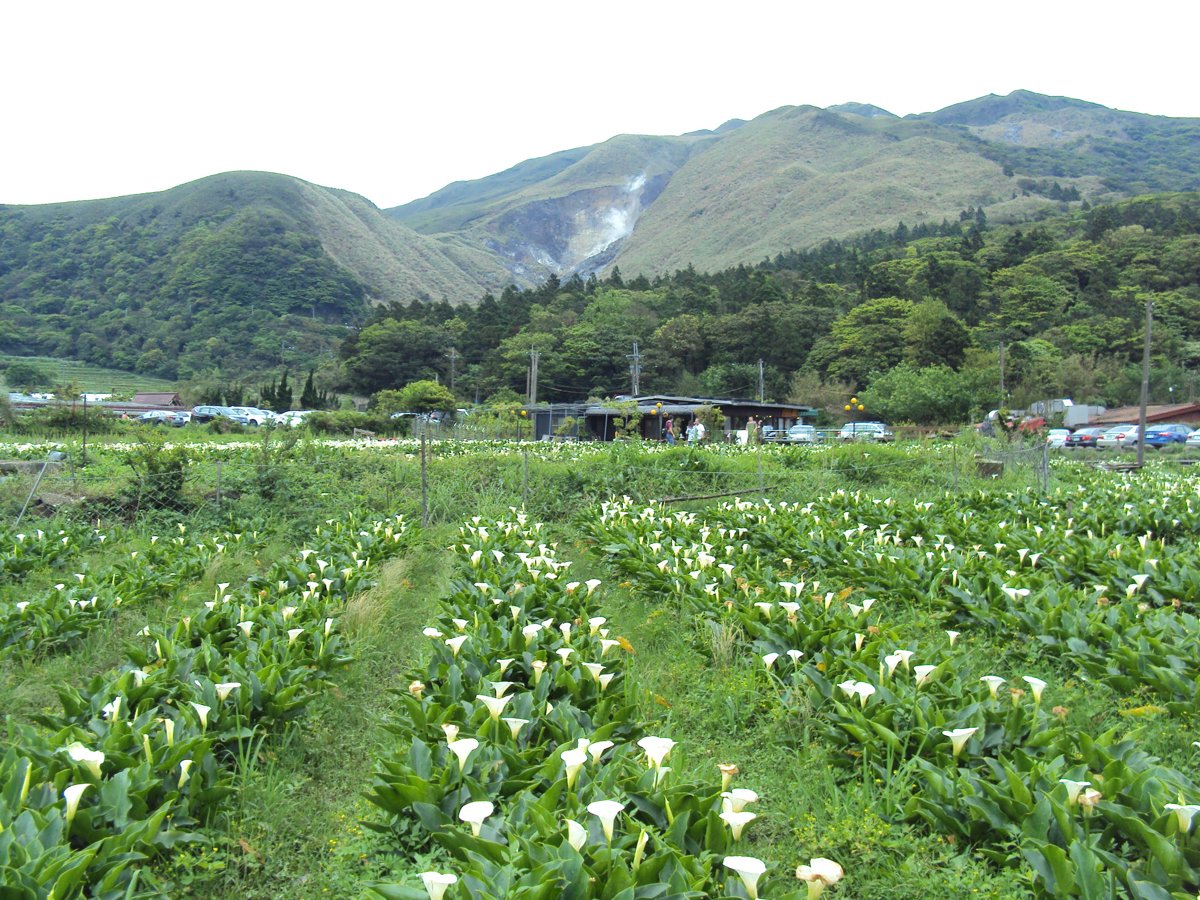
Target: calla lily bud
<point>185,767</point>
<point>515,726</point>
<point>728,770</point>
<point>576,834</point>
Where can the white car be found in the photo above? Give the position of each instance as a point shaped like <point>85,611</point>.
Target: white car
<point>801,434</point>
<point>252,415</point>
<point>1056,438</point>
<point>865,431</point>
<point>1121,437</point>
<point>293,417</point>
<point>1193,439</point>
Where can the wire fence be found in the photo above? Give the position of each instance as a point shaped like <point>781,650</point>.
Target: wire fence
<point>445,479</point>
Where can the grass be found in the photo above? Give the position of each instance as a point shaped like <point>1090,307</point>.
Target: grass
<point>296,828</point>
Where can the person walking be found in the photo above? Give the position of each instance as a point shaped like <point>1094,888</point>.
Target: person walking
<point>669,432</point>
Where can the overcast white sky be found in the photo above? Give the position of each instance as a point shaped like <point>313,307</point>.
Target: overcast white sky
<point>395,100</point>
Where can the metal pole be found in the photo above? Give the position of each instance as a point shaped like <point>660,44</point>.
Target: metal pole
<point>218,483</point>
<point>524,477</point>
<point>32,491</point>
<point>424,484</point>
<point>1145,385</point>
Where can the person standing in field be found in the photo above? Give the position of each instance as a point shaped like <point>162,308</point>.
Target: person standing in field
<point>669,432</point>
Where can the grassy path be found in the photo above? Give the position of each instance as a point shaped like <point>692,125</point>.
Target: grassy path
<point>294,828</point>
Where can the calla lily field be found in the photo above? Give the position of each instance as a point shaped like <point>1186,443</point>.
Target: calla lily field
<point>853,673</point>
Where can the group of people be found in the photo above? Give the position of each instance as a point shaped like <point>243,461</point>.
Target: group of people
<point>694,434</point>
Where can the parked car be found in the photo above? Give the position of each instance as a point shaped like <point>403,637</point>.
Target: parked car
<point>802,434</point>
<point>179,418</point>
<point>865,431</point>
<point>208,413</point>
<point>1084,438</point>
<point>154,417</point>
<point>770,434</point>
<point>1056,438</point>
<point>293,417</point>
<point>1170,433</point>
<point>252,415</point>
<point>1193,439</point>
<point>1119,437</point>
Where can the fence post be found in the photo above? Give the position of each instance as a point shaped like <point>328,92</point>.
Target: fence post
<point>761,488</point>
<point>954,467</point>
<point>1045,467</point>
<point>424,484</point>
<point>218,483</point>
<point>524,477</point>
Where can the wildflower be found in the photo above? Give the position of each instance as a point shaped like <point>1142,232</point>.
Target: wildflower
<point>455,643</point>
<point>922,673</point>
<point>416,688</point>
<point>597,749</point>
<point>1073,789</point>
<point>769,660</point>
<point>1088,800</point>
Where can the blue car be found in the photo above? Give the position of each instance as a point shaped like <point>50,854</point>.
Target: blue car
<point>1162,435</point>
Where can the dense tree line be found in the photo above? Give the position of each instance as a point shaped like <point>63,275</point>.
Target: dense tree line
<point>243,294</point>
<point>915,317</point>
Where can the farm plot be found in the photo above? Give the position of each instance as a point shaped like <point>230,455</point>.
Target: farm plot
<point>140,758</point>
<point>1100,580</point>
<point>520,753</point>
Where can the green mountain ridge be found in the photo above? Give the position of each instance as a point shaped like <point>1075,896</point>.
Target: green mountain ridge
<point>243,271</point>
<point>797,175</point>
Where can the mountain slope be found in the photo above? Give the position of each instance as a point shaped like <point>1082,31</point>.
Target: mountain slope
<point>236,271</point>
<point>798,175</point>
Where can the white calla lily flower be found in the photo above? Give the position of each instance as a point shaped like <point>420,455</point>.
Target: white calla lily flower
<point>749,870</point>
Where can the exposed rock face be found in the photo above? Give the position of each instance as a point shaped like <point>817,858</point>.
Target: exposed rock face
<point>578,233</point>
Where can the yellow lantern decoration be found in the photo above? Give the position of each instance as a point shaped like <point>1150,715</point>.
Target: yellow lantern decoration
<point>846,407</point>
<point>861,407</point>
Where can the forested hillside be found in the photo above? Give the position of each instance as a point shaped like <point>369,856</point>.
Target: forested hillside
<point>914,318</point>
<point>235,273</point>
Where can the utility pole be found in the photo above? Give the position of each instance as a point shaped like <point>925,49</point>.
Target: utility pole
<point>635,369</point>
<point>533,376</point>
<point>454,357</point>
<point>1002,391</point>
<point>1145,385</point>
<point>761,391</point>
